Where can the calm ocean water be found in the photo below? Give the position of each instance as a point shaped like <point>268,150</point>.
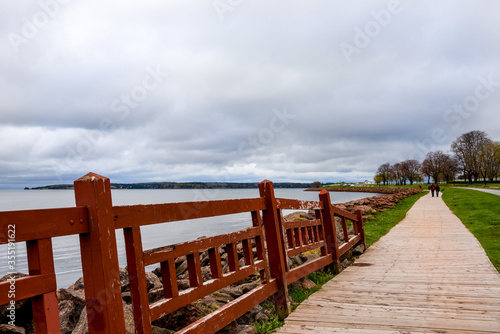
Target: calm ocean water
<point>67,250</point>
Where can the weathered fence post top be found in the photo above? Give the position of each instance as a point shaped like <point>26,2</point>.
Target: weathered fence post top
<point>99,256</point>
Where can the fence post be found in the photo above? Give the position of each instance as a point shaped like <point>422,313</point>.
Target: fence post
<point>99,257</point>
<point>332,245</point>
<point>361,228</point>
<point>275,248</point>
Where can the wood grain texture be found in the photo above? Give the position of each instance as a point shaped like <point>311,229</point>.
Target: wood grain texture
<point>429,274</point>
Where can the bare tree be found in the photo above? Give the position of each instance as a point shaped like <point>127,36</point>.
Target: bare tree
<point>489,160</point>
<point>410,170</point>
<point>396,173</point>
<point>426,170</point>
<point>383,172</point>
<point>434,164</point>
<point>450,169</point>
<point>467,149</point>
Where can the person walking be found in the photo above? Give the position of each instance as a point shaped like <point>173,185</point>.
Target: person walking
<point>433,187</point>
<point>437,189</point>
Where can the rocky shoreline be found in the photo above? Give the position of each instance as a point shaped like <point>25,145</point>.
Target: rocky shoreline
<point>73,314</point>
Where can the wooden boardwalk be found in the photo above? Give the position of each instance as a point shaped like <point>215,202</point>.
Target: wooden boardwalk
<point>429,274</point>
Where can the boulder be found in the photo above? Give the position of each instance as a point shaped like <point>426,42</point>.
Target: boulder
<point>233,291</point>
<point>303,283</point>
<point>83,328</point>
<point>245,329</point>
<point>8,329</point>
<point>124,281</point>
<point>180,318</point>
<point>71,303</point>
<point>246,287</point>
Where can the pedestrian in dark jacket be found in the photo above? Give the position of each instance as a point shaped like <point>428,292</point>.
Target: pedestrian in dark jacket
<point>437,189</point>
<point>433,187</point>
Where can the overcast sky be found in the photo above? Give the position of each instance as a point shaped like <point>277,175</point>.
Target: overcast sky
<point>239,90</point>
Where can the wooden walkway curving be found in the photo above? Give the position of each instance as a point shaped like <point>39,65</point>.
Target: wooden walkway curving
<point>429,274</point>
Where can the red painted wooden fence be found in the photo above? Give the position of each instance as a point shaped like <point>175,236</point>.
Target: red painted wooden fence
<point>95,220</point>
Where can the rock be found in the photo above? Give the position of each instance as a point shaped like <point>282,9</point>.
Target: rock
<point>159,330</point>
<point>256,314</point>
<point>83,328</point>
<point>306,283</point>
<point>153,282</point>
<point>157,272</point>
<point>233,291</point>
<point>358,250</point>
<point>344,264</point>
<point>180,318</point>
<point>124,281</point>
<point>71,304</point>
<point>303,283</point>
<point>363,208</point>
<point>182,266</point>
<point>8,329</point>
<point>204,259</point>
<point>155,295</point>
<point>244,329</point>
<point>311,255</point>
<point>79,284</point>
<point>206,273</point>
<point>222,297</point>
<point>183,284</point>
<point>248,286</point>
<point>127,297</point>
<point>296,261</point>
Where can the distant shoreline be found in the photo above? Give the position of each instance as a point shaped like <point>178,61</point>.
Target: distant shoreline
<point>359,189</point>
<point>182,185</point>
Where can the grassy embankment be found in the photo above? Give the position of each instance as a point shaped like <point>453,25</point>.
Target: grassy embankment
<point>480,213</point>
<point>375,228</point>
<point>494,185</point>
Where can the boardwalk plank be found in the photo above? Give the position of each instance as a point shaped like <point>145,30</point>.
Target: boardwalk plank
<point>429,274</point>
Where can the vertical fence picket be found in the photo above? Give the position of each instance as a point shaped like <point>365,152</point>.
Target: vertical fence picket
<point>275,248</point>
<point>137,277</point>
<point>45,308</point>
<point>330,230</point>
<point>361,228</point>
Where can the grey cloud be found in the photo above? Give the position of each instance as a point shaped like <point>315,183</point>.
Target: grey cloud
<point>66,106</point>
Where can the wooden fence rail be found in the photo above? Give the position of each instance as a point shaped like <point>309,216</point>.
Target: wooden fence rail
<point>265,247</point>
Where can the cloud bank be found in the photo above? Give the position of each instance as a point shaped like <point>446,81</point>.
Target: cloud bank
<point>239,90</point>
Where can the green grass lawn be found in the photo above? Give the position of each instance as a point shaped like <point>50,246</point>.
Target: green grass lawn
<point>494,185</point>
<point>480,212</point>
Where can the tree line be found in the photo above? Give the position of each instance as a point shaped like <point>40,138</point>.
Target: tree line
<point>473,157</point>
